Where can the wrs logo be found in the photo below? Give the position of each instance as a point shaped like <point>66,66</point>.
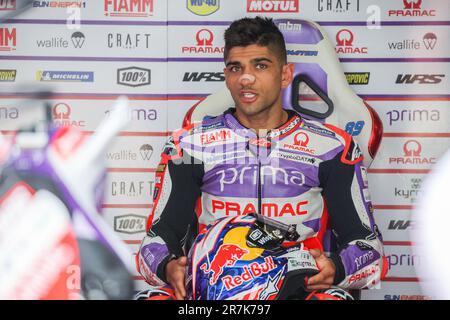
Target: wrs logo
<point>62,116</point>
<point>419,78</point>
<point>128,8</point>
<point>8,39</point>
<point>7,5</point>
<point>412,154</point>
<point>412,8</point>
<point>344,43</point>
<point>203,7</point>
<point>204,43</point>
<point>273,6</point>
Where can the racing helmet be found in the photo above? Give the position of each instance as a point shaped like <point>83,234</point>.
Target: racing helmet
<point>245,258</point>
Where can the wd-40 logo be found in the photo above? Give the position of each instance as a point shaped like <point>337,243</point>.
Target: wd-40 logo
<point>129,8</point>
<point>204,76</point>
<point>227,255</point>
<point>62,116</point>
<point>412,154</point>
<point>133,76</point>
<point>419,78</point>
<point>7,5</point>
<point>8,75</point>
<point>130,223</point>
<point>203,7</point>
<point>204,43</point>
<point>344,43</point>
<point>273,6</point>
<point>8,39</point>
<point>412,8</point>
<point>64,76</point>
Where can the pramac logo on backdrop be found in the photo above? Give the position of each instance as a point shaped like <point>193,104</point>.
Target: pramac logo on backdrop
<point>62,116</point>
<point>203,7</point>
<point>412,154</point>
<point>412,148</point>
<point>412,8</point>
<point>412,4</point>
<point>344,43</point>
<point>204,39</point>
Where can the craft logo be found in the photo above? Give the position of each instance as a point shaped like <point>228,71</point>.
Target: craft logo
<point>204,77</point>
<point>131,188</point>
<point>344,43</point>
<point>204,44</point>
<point>419,78</point>
<point>59,4</point>
<point>8,39</point>
<point>357,78</point>
<point>413,115</point>
<point>412,8</point>
<point>203,7</point>
<point>64,76</point>
<point>133,76</point>
<point>429,40</point>
<point>7,5</point>
<point>62,116</point>
<point>128,41</point>
<point>338,6</point>
<point>130,223</point>
<point>146,151</point>
<point>274,6</point>
<point>129,8</point>
<point>412,154</point>
<point>8,75</point>
<point>7,113</point>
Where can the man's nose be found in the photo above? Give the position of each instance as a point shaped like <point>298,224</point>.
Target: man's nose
<point>247,79</point>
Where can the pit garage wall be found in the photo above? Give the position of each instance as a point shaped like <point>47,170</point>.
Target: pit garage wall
<point>161,65</point>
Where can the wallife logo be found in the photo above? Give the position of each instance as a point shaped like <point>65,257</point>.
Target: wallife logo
<point>77,39</point>
<point>344,43</point>
<point>130,223</point>
<point>429,41</point>
<point>61,113</point>
<point>204,43</point>
<point>129,8</point>
<point>278,6</point>
<point>337,6</point>
<point>203,7</point>
<point>412,8</point>
<point>7,5</point>
<point>8,39</point>
<point>419,78</point>
<point>400,224</point>
<point>412,154</point>
<point>146,151</point>
<point>133,76</point>
<point>204,77</point>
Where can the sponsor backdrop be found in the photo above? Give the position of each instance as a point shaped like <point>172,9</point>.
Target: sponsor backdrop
<point>166,55</point>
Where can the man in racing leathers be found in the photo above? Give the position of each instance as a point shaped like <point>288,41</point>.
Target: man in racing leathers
<point>261,158</point>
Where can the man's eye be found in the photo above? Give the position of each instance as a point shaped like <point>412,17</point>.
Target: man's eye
<point>235,69</point>
<point>261,66</point>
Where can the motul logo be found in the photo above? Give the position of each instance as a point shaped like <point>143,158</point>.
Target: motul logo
<point>272,6</point>
<point>412,4</point>
<point>419,78</point>
<point>344,43</point>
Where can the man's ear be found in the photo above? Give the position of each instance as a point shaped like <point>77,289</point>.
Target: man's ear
<point>287,75</point>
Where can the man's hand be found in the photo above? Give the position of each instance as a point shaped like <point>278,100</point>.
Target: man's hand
<point>175,271</point>
<point>325,278</point>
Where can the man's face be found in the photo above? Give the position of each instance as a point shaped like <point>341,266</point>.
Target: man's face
<point>255,77</point>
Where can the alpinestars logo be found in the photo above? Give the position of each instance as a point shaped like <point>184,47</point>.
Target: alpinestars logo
<point>204,43</point>
<point>273,6</point>
<point>344,43</point>
<point>412,154</point>
<point>129,8</point>
<point>412,8</point>
<point>8,39</point>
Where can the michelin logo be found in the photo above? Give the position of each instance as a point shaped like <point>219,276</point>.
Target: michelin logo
<point>65,76</point>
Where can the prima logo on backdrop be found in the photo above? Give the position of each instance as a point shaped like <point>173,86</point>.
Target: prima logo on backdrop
<point>64,76</point>
<point>8,75</point>
<point>413,115</point>
<point>59,4</point>
<point>130,223</point>
<point>133,76</point>
<point>344,43</point>
<point>8,39</point>
<point>338,6</point>
<point>419,78</point>
<point>77,40</point>
<point>6,5</point>
<point>203,7</point>
<point>62,116</point>
<point>428,42</point>
<point>273,6</point>
<point>412,154</point>
<point>128,41</point>
<point>411,8</point>
<point>204,39</point>
<point>9,113</point>
<point>129,8</point>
